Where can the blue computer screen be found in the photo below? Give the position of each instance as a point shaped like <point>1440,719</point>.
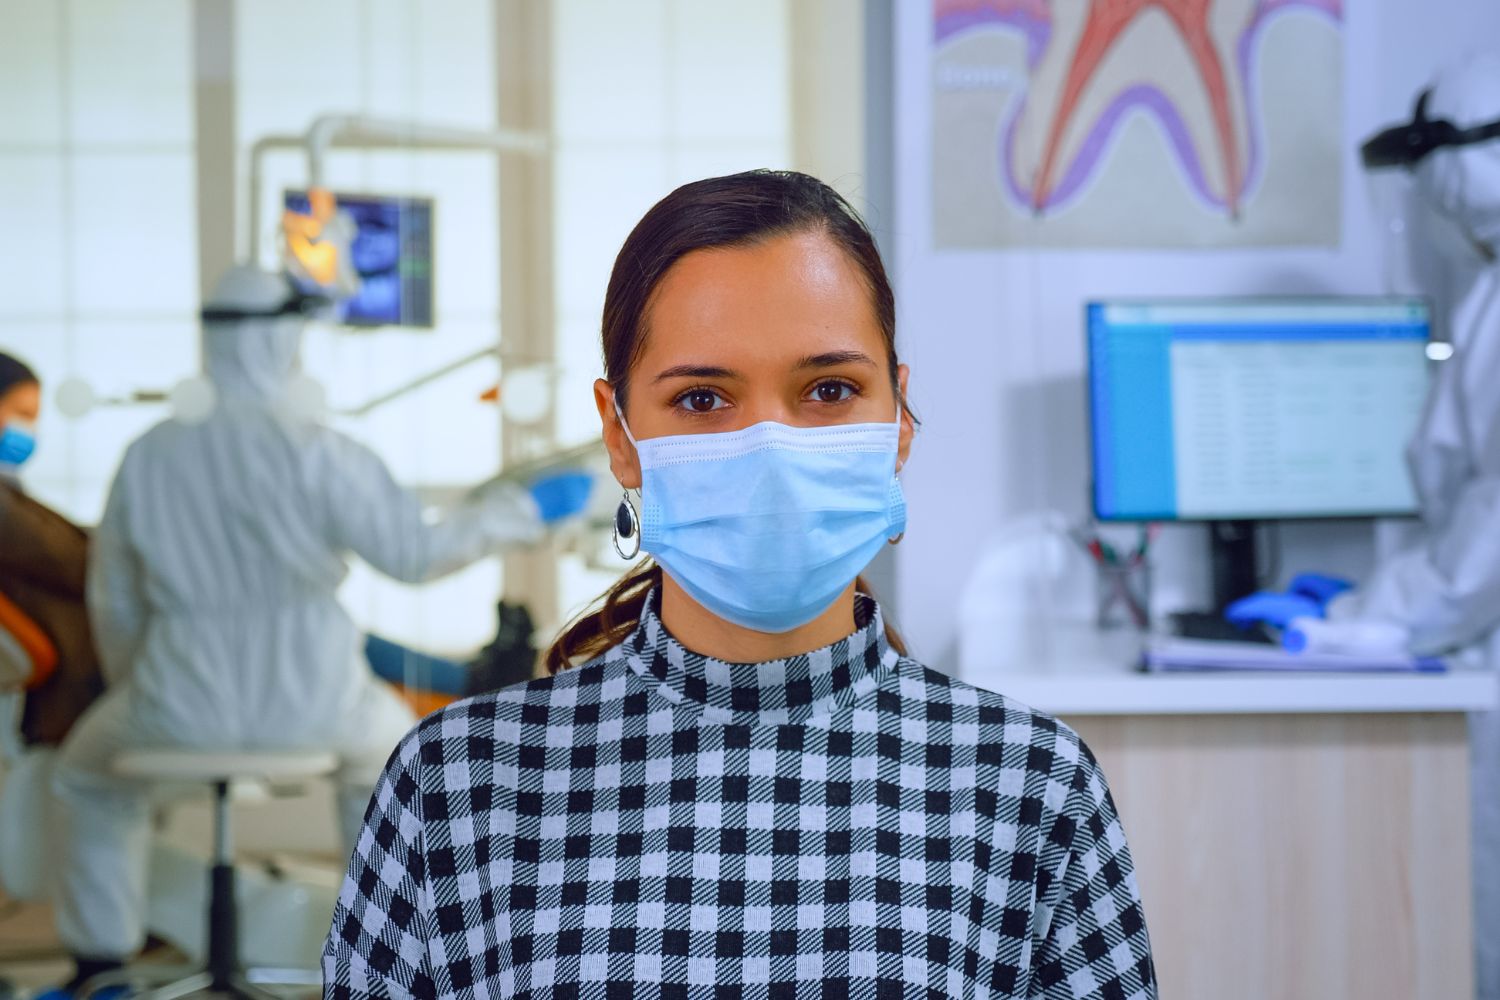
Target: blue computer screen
<point>1254,408</point>
<point>392,252</point>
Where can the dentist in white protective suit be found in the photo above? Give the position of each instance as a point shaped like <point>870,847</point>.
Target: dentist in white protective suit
<point>1442,596</point>
<point>212,591</point>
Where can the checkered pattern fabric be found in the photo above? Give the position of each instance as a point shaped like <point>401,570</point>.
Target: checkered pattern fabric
<point>843,823</point>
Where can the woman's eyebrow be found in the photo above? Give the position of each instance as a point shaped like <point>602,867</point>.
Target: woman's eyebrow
<point>832,359</point>
<point>696,371</point>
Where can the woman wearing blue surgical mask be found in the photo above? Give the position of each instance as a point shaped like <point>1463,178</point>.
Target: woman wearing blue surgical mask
<point>20,405</point>
<point>736,782</point>
<point>43,560</point>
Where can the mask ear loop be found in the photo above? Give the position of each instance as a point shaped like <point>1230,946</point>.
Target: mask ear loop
<point>620,415</point>
<point>900,414</point>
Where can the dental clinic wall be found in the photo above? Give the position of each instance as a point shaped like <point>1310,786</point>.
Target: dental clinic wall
<point>996,347</point>
<point>98,271</point>
<point>647,96</point>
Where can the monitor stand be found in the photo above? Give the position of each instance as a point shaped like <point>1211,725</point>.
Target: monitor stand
<point>1231,554</point>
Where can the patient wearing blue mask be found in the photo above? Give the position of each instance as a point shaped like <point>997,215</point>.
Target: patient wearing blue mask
<point>739,779</point>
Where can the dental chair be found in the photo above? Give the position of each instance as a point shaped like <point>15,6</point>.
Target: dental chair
<point>27,659</point>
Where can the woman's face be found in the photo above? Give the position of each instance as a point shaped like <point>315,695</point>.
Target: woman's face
<point>782,330</point>
<point>20,404</point>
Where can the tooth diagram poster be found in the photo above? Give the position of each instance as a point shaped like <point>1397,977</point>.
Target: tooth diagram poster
<point>1137,123</point>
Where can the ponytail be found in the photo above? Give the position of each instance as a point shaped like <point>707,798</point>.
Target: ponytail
<point>602,627</point>
<point>605,625</point>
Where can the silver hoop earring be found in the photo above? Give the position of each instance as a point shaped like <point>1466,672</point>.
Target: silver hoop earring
<point>628,527</point>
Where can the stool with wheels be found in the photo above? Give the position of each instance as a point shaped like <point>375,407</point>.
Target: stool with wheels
<point>222,972</point>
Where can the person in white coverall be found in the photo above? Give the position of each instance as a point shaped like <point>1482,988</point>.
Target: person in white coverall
<point>1443,594</point>
<point>212,590</point>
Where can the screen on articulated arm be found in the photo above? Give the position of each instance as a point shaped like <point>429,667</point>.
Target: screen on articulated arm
<point>391,252</point>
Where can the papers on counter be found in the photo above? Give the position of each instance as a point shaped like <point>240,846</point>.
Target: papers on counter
<point>1171,653</point>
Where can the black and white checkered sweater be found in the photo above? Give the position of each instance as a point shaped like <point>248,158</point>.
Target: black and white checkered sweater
<point>844,823</point>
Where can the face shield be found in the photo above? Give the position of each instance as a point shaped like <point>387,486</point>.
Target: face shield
<point>1423,252</point>
<point>1427,246</point>
<point>1405,269</point>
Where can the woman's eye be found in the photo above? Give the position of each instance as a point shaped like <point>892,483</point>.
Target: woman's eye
<point>700,400</point>
<point>833,392</point>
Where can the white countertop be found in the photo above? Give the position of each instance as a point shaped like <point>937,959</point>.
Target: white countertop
<point>1085,672</point>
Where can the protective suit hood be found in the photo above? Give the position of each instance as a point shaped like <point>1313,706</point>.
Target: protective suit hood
<point>1462,183</point>
<point>251,347</point>
<point>252,358</point>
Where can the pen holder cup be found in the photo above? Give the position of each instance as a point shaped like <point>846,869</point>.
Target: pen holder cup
<point>1124,595</point>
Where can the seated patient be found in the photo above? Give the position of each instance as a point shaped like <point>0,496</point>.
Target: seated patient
<point>748,788</point>
<point>43,560</point>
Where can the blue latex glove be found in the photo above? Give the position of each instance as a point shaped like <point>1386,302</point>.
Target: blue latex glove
<point>1272,607</point>
<point>1318,587</point>
<point>562,494</point>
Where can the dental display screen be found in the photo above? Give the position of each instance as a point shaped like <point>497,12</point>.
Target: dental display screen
<point>392,253</point>
<point>1255,408</point>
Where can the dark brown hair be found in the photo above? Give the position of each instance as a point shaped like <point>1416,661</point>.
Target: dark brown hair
<point>14,372</point>
<point>721,212</point>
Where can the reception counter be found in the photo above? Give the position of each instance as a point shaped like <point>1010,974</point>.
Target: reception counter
<point>1295,835</point>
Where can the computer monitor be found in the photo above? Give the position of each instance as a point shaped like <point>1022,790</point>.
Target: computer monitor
<point>392,253</point>
<point>1236,411</point>
<point>1254,409</point>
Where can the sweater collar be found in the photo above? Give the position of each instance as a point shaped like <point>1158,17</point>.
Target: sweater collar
<point>788,690</point>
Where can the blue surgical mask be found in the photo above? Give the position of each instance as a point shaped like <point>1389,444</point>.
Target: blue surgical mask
<point>17,442</point>
<point>766,526</point>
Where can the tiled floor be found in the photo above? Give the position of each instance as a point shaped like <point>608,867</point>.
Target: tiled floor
<point>30,956</point>
<point>32,959</point>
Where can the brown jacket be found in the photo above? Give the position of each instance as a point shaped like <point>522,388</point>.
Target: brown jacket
<point>43,562</point>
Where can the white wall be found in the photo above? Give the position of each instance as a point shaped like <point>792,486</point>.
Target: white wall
<point>98,276</point>
<point>995,341</point>
<point>705,89</point>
